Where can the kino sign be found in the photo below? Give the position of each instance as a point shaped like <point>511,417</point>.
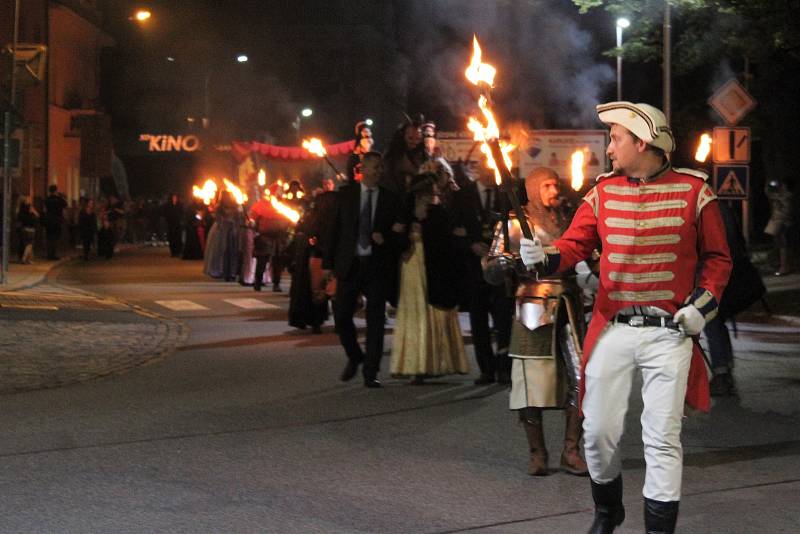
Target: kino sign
<point>170,143</point>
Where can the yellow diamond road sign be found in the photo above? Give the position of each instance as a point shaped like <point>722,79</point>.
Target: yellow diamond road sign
<point>732,102</point>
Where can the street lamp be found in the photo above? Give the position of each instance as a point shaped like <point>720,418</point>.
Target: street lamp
<point>622,23</point>
<point>307,112</point>
<point>142,15</point>
<point>368,122</point>
<point>242,58</point>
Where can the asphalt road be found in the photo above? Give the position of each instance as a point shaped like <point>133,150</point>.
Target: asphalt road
<point>246,428</point>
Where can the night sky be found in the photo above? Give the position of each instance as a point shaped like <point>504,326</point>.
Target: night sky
<point>351,59</point>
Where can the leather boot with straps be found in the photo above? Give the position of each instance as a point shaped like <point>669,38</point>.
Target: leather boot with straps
<point>571,460</point>
<point>660,516</point>
<point>609,512</point>
<point>532,421</point>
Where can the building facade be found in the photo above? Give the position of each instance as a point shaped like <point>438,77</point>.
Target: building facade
<point>64,134</point>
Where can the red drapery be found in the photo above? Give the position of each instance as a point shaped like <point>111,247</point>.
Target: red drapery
<point>242,149</point>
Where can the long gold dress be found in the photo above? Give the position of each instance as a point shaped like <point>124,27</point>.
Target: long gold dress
<point>427,340</point>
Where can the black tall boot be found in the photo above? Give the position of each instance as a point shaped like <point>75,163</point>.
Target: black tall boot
<point>609,512</point>
<point>660,516</point>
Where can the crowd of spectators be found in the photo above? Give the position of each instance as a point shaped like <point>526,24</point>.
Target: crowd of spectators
<point>52,226</point>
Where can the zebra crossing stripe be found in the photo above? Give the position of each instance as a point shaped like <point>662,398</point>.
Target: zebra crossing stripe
<point>252,304</point>
<point>180,305</point>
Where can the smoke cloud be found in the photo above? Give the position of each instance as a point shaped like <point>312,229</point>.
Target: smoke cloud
<point>547,74</point>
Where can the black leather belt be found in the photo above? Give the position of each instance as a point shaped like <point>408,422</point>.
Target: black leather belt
<point>646,320</point>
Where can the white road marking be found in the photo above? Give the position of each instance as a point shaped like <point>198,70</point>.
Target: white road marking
<point>477,392</point>
<point>443,391</point>
<point>30,306</point>
<point>180,305</point>
<point>252,304</point>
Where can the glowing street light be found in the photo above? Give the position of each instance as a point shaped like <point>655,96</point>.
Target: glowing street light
<point>307,112</point>
<point>368,122</point>
<point>622,23</point>
<point>242,58</point>
<point>142,15</point>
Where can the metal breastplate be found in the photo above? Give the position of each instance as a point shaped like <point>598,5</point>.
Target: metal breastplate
<point>515,234</point>
<point>537,301</point>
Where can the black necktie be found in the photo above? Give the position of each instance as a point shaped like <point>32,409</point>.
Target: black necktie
<point>365,223</point>
<point>488,206</point>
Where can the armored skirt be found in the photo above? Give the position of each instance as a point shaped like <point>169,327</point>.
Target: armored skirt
<point>545,352</point>
<point>427,339</point>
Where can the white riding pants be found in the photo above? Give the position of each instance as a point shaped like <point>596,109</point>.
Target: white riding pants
<point>663,357</point>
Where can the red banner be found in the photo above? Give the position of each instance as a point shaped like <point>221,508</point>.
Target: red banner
<point>241,150</point>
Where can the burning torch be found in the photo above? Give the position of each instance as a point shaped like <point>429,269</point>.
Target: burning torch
<point>497,152</point>
<point>315,147</point>
<point>207,192</point>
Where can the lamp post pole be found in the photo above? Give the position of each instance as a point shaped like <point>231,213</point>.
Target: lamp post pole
<point>304,113</point>
<point>7,152</point>
<point>667,66</point>
<point>622,23</point>
<point>241,58</point>
<point>207,101</point>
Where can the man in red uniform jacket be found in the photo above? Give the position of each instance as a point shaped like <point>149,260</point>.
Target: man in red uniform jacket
<point>664,265</point>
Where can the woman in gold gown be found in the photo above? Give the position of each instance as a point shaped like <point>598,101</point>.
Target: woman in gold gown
<point>427,338</point>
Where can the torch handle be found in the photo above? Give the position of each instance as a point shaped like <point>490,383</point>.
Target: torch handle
<point>508,187</point>
<point>332,166</point>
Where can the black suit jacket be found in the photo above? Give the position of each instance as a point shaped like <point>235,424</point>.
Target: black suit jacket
<point>476,218</point>
<point>340,250</point>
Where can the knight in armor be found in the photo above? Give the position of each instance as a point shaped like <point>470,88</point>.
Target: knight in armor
<point>547,335</point>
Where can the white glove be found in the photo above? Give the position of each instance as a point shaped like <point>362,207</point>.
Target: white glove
<point>531,252</point>
<point>690,319</point>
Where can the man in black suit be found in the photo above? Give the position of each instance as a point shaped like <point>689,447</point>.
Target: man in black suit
<point>361,253</point>
<point>481,206</point>
<point>54,206</point>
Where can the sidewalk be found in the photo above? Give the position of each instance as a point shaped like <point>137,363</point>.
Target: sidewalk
<point>21,276</point>
<point>55,335</point>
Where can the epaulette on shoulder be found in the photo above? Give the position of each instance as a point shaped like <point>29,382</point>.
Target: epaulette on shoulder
<point>603,176</point>
<point>691,172</point>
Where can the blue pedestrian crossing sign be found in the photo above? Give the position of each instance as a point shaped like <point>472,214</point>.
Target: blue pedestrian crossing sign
<point>732,182</point>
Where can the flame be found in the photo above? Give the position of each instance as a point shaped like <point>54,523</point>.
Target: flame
<point>703,148</point>
<point>207,192</point>
<point>300,194</point>
<point>315,147</point>
<point>262,178</point>
<point>479,72</point>
<point>484,133</point>
<point>576,168</point>
<point>237,193</point>
<point>284,210</point>
<point>483,73</point>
